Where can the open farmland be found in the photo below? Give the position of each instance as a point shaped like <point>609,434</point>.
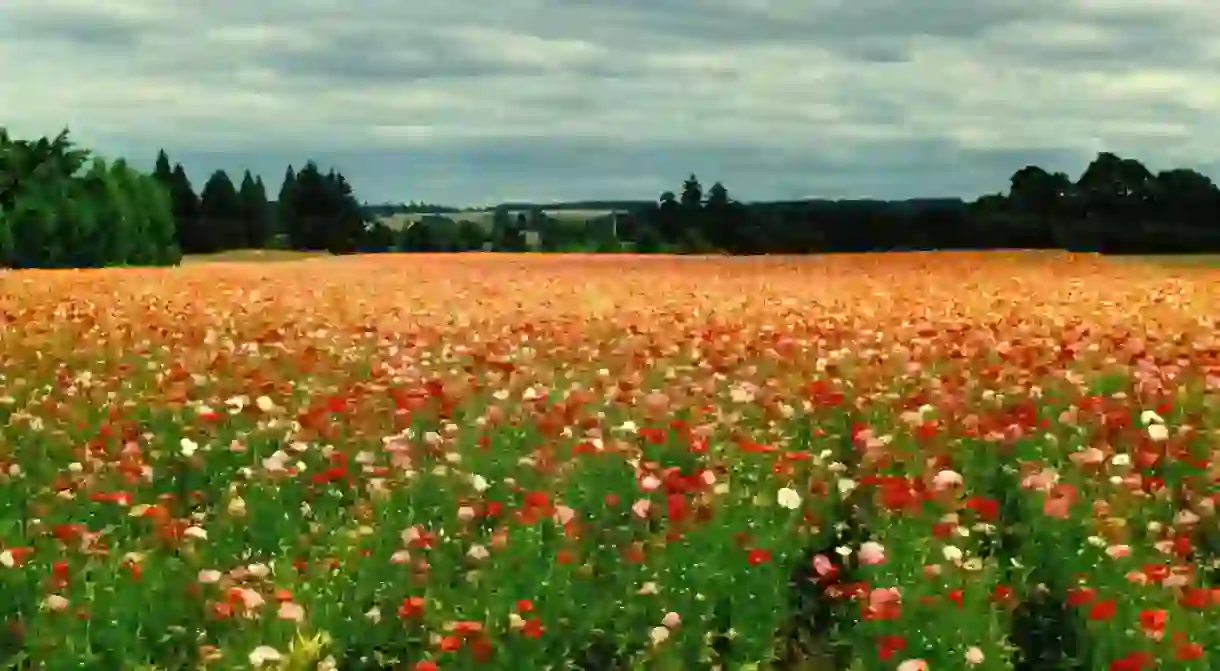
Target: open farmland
<point>905,461</point>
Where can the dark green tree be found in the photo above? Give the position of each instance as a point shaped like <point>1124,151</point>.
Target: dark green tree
<point>1038,192</point>
<point>692,193</point>
<point>284,214</point>
<point>378,238</point>
<point>322,212</point>
<point>717,223</point>
<point>507,232</point>
<point>1111,185</point>
<point>471,236</point>
<point>264,223</point>
<point>668,217</point>
<point>419,236</point>
<point>184,203</point>
<point>162,170</point>
<point>1038,202</point>
<point>346,228</point>
<point>1185,195</point>
<point>305,207</point>
<point>255,213</point>
<point>1116,196</point>
<point>221,214</point>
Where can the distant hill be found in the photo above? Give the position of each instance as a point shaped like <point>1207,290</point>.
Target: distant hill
<point>910,203</point>
<point>400,220</point>
<point>586,208</point>
<point>390,209</point>
<point>599,205</point>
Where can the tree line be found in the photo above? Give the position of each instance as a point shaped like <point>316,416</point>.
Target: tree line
<point>60,206</point>
<point>313,211</point>
<point>1116,206</point>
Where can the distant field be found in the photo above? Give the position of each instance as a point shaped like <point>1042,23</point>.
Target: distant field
<point>251,255</point>
<point>1192,260</point>
<point>484,217</point>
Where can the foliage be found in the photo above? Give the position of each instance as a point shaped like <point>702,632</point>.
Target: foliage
<point>61,208</point>
<point>319,211</point>
<point>1116,205</point>
<point>313,211</point>
<point>471,236</point>
<point>185,206</point>
<point>508,232</point>
<point>220,214</point>
<point>254,212</point>
<point>379,238</point>
<point>436,234</point>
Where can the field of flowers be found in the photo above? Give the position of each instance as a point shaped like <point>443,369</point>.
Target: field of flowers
<point>924,461</point>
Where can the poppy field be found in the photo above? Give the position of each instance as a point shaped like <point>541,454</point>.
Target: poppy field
<point>983,461</point>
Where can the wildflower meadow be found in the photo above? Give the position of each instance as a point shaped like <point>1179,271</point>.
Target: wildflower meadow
<point>990,461</point>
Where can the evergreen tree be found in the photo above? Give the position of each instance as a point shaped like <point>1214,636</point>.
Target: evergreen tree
<point>305,208</point>
<point>220,214</point>
<point>162,172</point>
<point>346,227</point>
<point>184,203</point>
<point>262,230</point>
<point>255,214</point>
<point>692,194</point>
<point>322,212</point>
<point>284,214</point>
<point>246,208</point>
<point>719,219</point>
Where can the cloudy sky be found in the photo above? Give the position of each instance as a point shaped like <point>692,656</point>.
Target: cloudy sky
<point>476,101</point>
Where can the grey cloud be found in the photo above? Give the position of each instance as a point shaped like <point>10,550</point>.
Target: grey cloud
<point>832,24</point>
<point>460,101</point>
<point>98,31</point>
<point>369,61</point>
<point>1107,43</point>
<point>79,29</point>
<point>391,57</point>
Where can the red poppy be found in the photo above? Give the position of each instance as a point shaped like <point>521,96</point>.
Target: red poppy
<point>1103,610</point>
<point>1079,596</point>
<point>758,556</point>
<point>888,645</point>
